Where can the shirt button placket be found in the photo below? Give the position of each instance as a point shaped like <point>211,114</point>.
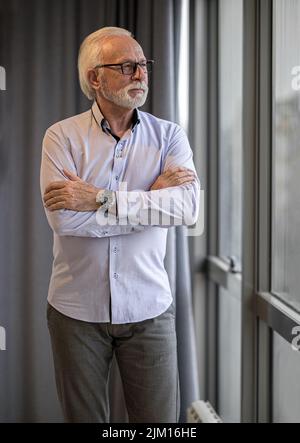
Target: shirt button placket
<point>119,149</point>
<point>116,174</point>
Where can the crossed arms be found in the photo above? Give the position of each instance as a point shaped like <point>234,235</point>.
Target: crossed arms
<point>71,206</point>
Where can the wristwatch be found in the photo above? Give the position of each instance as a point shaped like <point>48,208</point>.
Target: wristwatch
<point>106,198</point>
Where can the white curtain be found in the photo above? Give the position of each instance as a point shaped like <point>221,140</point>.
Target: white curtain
<point>39,42</point>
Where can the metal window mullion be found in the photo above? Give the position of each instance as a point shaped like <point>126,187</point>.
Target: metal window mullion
<point>264,363</point>
<point>221,273</point>
<point>198,118</point>
<point>213,216</point>
<point>277,314</point>
<point>250,101</point>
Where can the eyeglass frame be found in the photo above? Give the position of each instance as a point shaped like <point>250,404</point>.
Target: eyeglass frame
<point>136,64</point>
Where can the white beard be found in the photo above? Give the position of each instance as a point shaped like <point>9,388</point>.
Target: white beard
<point>122,98</point>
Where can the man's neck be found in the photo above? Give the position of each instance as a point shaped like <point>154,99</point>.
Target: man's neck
<point>119,119</point>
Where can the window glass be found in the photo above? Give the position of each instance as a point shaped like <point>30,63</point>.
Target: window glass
<point>230,126</point>
<point>229,352</point>
<point>286,387</point>
<point>230,207</point>
<point>286,153</point>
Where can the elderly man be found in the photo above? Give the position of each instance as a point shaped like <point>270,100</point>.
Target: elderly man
<point>103,173</point>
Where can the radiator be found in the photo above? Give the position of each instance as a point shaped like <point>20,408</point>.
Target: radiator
<point>202,412</point>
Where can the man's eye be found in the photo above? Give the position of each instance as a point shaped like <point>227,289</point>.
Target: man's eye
<point>127,65</point>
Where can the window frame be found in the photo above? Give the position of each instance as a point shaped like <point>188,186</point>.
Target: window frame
<point>262,311</point>
<point>271,314</point>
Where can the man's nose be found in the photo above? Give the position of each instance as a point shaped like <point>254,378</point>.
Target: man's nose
<point>139,74</point>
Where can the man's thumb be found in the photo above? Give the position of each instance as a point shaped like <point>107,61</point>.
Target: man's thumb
<point>71,176</point>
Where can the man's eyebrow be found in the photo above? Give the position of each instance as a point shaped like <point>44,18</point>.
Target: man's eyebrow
<point>143,59</point>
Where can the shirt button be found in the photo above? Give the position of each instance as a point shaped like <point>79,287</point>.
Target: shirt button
<point>115,249</point>
<point>117,177</point>
<point>105,232</point>
<point>115,275</point>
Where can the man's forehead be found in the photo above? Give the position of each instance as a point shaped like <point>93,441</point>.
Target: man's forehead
<point>121,46</point>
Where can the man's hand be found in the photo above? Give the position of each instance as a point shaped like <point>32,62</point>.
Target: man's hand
<point>74,194</point>
<point>174,177</point>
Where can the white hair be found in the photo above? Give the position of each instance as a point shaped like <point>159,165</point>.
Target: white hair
<point>90,55</point>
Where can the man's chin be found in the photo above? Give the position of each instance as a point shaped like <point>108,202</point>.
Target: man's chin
<point>132,104</point>
<point>140,102</point>
<point>127,102</point>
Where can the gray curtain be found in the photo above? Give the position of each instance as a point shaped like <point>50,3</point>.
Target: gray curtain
<point>39,42</point>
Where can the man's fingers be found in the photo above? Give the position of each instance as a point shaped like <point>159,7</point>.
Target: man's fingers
<point>53,200</point>
<point>71,176</point>
<point>186,180</point>
<point>182,178</point>
<point>56,206</point>
<point>182,181</point>
<point>175,169</point>
<point>182,174</point>
<point>55,185</point>
<point>179,170</point>
<point>54,193</point>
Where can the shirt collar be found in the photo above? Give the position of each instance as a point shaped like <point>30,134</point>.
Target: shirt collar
<point>98,116</point>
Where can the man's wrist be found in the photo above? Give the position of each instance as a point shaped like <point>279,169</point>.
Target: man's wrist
<point>105,199</point>
<point>97,198</point>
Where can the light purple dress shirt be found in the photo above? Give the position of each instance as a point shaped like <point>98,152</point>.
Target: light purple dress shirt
<point>115,273</point>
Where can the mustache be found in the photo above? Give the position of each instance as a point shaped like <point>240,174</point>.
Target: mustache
<point>137,85</point>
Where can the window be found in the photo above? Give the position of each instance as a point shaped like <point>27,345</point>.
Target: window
<point>286,154</point>
<point>285,203</point>
<point>230,204</point>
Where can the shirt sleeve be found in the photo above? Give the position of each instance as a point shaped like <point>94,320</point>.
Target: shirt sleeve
<point>56,156</point>
<point>173,206</point>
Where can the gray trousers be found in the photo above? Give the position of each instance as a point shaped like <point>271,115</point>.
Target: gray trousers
<point>146,353</point>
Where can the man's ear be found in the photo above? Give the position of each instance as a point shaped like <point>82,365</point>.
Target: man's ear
<point>93,79</point>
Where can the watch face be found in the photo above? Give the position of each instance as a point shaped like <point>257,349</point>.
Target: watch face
<point>106,198</point>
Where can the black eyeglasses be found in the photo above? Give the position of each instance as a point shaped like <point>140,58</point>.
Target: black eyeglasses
<point>129,68</point>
